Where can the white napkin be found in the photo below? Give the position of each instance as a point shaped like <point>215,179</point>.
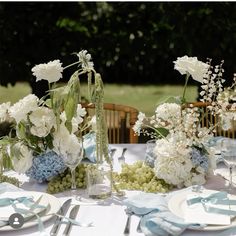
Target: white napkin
<point>196,214</point>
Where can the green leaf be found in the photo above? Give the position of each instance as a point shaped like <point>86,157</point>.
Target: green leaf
<point>69,125</point>
<point>162,132</point>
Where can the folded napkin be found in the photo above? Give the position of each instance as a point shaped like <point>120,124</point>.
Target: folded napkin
<point>89,143</point>
<point>156,219</point>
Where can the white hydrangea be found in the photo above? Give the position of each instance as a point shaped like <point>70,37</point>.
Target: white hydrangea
<point>20,109</point>
<point>84,59</point>
<point>168,115</point>
<point>51,71</point>
<point>67,145</point>
<point>42,119</point>
<point>4,107</point>
<point>172,161</point>
<point>191,65</point>
<point>23,161</point>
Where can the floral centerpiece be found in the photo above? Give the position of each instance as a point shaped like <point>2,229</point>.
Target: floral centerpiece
<point>43,130</point>
<point>183,157</point>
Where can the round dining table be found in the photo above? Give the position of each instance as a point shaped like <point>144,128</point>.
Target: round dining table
<point>108,217</point>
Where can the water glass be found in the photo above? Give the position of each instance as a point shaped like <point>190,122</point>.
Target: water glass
<point>150,155</point>
<point>228,152</point>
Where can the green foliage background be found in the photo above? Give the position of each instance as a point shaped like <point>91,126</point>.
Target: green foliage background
<point>130,42</point>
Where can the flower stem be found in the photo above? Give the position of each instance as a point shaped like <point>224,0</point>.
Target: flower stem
<point>71,65</point>
<point>185,87</point>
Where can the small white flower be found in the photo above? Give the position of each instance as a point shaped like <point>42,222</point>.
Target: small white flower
<point>191,65</point>
<point>51,71</point>
<point>4,107</point>
<point>43,119</point>
<point>78,119</point>
<point>84,59</point>
<point>138,124</point>
<point>20,109</point>
<point>22,162</point>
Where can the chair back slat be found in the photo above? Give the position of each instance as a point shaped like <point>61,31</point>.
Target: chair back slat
<point>120,121</point>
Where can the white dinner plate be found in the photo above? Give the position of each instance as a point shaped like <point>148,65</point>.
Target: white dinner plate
<point>9,210</point>
<point>178,202</point>
<point>53,206</point>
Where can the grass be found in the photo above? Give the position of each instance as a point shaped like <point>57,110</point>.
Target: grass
<point>143,97</point>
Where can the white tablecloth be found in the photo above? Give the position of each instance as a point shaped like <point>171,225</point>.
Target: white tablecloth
<point>108,219</point>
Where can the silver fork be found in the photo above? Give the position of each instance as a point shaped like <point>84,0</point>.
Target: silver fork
<point>129,213</point>
<point>139,230</point>
<point>121,159</point>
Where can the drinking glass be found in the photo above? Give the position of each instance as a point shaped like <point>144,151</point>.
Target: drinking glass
<point>72,161</point>
<point>228,152</point>
<point>150,156</point>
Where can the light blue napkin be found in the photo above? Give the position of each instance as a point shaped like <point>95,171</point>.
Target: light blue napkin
<point>156,219</point>
<point>89,143</point>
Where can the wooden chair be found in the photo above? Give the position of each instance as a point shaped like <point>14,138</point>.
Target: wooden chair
<point>120,121</point>
<point>208,119</point>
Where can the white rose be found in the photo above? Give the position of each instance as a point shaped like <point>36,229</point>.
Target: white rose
<point>191,65</point>
<point>22,162</point>
<point>43,119</point>
<point>20,109</point>
<point>52,71</point>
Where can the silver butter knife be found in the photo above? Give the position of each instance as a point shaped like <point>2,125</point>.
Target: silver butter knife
<point>64,208</point>
<point>73,214</point>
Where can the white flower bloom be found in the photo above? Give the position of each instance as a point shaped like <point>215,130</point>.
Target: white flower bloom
<point>138,124</point>
<point>168,111</point>
<point>51,71</point>
<point>20,109</point>
<point>43,119</point>
<point>77,120</point>
<point>4,107</point>
<point>84,59</point>
<point>66,144</point>
<point>22,162</point>
<point>191,65</point>
<point>172,161</point>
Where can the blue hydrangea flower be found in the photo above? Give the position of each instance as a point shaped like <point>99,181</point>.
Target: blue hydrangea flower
<point>199,158</point>
<point>46,166</point>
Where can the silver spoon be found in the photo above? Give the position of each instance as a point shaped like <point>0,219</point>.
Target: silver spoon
<point>129,213</point>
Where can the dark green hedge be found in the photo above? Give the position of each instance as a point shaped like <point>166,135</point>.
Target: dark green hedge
<point>131,42</point>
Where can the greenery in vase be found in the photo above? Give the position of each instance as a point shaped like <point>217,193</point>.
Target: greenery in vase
<point>183,157</point>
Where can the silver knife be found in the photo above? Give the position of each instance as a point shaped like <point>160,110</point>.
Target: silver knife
<point>64,208</point>
<point>73,214</point>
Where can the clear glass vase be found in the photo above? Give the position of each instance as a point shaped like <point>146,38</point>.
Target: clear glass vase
<point>99,181</point>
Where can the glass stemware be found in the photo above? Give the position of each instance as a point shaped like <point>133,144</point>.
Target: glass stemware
<point>228,152</point>
<point>72,161</point>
